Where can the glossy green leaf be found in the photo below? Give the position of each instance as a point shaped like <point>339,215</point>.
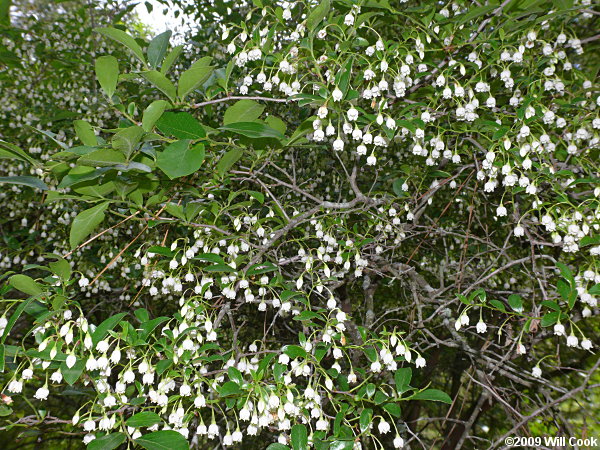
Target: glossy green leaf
<point>171,58</point>
<point>103,157</point>
<point>229,388</point>
<point>25,284</point>
<point>179,159</point>
<point>85,222</point>
<point>161,82</point>
<point>15,316</point>
<point>299,437</point>
<point>366,417</point>
<point>192,78</point>
<point>25,181</point>
<point>143,419</point>
<point>181,125</point>
<point>515,302</point>
<point>402,378</point>
<point>107,73</point>
<point>318,14</point>
<point>157,48</point>
<point>71,375</point>
<point>107,442</point>
<point>253,130</point>
<point>228,160</point>
<point>434,395</point>
<point>153,113</point>
<point>126,140</point>
<point>61,267</point>
<point>163,440</point>
<point>106,326</point>
<point>243,111</point>
<point>123,38</point>
<point>10,151</point>
<point>85,133</point>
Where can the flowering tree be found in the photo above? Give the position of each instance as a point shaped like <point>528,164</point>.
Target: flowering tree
<point>320,224</point>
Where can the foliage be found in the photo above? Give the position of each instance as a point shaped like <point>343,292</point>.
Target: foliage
<point>280,233</point>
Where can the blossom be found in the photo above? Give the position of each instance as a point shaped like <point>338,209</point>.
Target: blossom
<point>536,372</point>
<point>398,442</point>
<point>352,114</point>
<point>337,94</point>
<point>481,327</point>
<point>42,393</point>
<point>383,426</point>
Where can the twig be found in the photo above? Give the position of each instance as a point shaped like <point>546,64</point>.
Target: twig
<point>226,99</point>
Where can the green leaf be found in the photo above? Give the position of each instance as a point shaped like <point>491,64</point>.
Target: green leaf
<point>365,419</point>
<point>434,395</point>
<point>235,375</point>
<point>157,48</point>
<point>550,304</point>
<point>15,316</point>
<point>85,133</point>
<point>85,222</point>
<point>192,78</point>
<point>25,181</point>
<point>317,14</point>
<point>589,240</point>
<point>72,375</point>
<point>277,446</point>
<point>107,442</point>
<point>123,38</point>
<point>299,437</point>
<point>294,351</point>
<point>515,302</point>
<point>107,73</point>
<point>25,284</point>
<point>163,440</point>
<point>594,290</point>
<point>566,273</point>
<point>103,157</point>
<point>260,268</point>
<point>243,111</point>
<point>105,327</point>
<point>127,139</point>
<point>181,125</point>
<point>161,82</point>
<point>10,151</point>
<point>402,378</point>
<point>549,318</point>
<point>304,128</point>
<point>563,288</point>
<point>498,304</point>
<point>253,130</point>
<point>163,365</point>
<point>393,409</point>
<point>61,267</point>
<point>170,59</point>
<point>229,388</point>
<point>277,124</point>
<point>152,113</point>
<point>228,160</point>
<point>143,419</point>
<point>179,160</point>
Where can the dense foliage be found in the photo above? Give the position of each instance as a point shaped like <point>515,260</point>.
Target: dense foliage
<point>335,224</point>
